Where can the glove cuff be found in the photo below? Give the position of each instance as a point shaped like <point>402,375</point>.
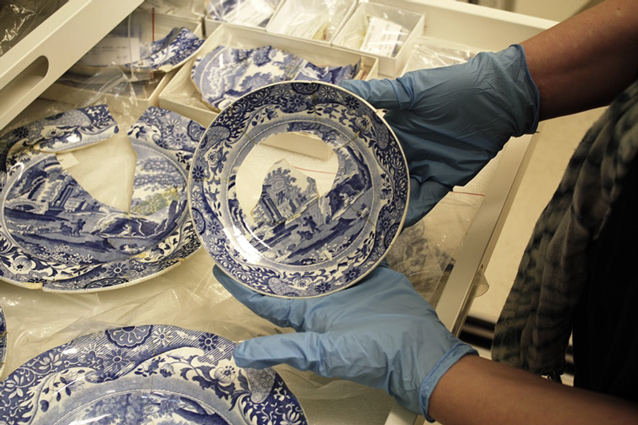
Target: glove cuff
<point>442,366</point>
<point>526,89</point>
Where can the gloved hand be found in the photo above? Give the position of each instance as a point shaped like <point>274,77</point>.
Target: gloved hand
<point>452,120</point>
<point>379,333</point>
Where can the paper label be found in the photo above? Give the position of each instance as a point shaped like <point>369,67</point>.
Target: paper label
<point>250,13</point>
<point>114,50</point>
<point>383,37</point>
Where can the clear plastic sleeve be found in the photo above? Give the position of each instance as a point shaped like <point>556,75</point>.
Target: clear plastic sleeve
<point>18,18</point>
<point>250,13</point>
<point>192,9</point>
<point>311,19</point>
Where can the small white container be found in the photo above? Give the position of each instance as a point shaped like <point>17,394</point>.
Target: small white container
<point>181,95</point>
<point>383,31</point>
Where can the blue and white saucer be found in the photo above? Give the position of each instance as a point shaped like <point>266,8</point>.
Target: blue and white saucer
<point>227,73</point>
<point>54,235</point>
<point>146,375</point>
<point>295,241</point>
<point>3,340</point>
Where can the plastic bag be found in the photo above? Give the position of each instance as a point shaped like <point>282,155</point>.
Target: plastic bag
<point>19,18</point>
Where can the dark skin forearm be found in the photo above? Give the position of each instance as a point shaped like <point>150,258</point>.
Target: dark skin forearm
<point>585,61</point>
<point>479,391</point>
<point>581,63</point>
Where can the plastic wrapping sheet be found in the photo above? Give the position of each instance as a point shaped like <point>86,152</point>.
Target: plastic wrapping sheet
<point>193,9</point>
<point>141,45</point>
<point>431,52</point>
<point>377,29</point>
<point>310,19</point>
<point>130,66</point>
<point>18,18</point>
<point>251,13</point>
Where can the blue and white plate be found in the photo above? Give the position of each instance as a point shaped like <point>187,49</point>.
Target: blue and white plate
<point>146,375</point>
<point>296,242</point>
<point>54,235</point>
<point>169,52</point>
<point>3,340</point>
<point>164,55</point>
<point>227,73</point>
<point>252,13</point>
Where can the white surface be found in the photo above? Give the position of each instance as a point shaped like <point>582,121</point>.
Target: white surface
<point>549,9</point>
<point>33,64</point>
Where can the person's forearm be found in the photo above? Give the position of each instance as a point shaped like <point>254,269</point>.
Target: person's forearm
<point>585,61</point>
<point>479,391</point>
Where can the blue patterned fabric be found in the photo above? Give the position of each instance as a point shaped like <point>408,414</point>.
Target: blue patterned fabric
<point>533,330</point>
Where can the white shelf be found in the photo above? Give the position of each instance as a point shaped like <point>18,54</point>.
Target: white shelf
<point>42,56</point>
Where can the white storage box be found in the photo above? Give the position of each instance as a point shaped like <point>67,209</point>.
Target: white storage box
<point>181,95</point>
<point>147,94</point>
<point>384,31</point>
<point>316,20</point>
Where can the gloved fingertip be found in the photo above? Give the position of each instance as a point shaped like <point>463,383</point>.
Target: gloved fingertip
<point>236,289</point>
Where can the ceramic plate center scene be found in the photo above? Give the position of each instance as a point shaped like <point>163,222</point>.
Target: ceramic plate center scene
<point>313,220</point>
<point>57,235</point>
<point>146,375</point>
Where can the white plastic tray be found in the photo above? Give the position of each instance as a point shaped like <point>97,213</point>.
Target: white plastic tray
<point>33,64</point>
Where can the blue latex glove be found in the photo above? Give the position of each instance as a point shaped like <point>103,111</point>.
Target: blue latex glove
<point>379,333</point>
<point>452,120</point>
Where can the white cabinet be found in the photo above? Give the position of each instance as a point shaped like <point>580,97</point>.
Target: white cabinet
<point>34,63</point>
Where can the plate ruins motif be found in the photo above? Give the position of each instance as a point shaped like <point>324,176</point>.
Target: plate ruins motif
<point>297,242</point>
<point>146,375</point>
<point>56,236</point>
